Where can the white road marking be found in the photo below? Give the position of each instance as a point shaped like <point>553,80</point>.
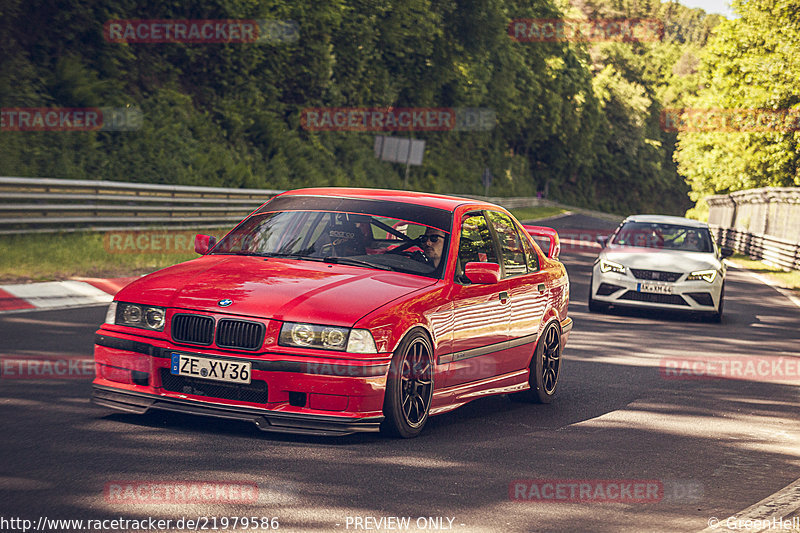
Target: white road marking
<point>778,506</point>
<point>59,294</point>
<point>766,281</point>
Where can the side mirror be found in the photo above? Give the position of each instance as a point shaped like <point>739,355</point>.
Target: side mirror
<point>603,240</point>
<point>554,248</point>
<point>482,273</point>
<point>725,252</point>
<point>204,243</point>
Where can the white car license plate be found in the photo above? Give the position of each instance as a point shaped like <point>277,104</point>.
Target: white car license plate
<point>657,288</point>
<point>205,368</point>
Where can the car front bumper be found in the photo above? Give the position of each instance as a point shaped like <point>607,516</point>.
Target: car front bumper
<point>288,394</point>
<point>276,421</point>
<point>626,290</point>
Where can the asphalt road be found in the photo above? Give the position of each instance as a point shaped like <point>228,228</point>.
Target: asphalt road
<point>714,446</point>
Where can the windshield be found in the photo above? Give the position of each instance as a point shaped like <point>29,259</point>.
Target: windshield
<point>666,236</point>
<point>355,236</point>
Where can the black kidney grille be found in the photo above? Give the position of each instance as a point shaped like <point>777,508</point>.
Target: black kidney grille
<point>240,334</point>
<point>656,275</point>
<point>255,392</point>
<point>193,329</point>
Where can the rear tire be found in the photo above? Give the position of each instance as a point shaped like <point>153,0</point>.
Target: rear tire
<point>545,368</point>
<point>409,387</point>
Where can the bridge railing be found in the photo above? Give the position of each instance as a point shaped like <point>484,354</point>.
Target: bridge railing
<point>761,223</point>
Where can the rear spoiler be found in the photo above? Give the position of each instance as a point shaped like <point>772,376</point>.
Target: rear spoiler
<point>554,247</point>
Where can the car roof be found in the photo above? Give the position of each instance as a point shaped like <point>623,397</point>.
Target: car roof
<point>664,219</point>
<point>440,201</point>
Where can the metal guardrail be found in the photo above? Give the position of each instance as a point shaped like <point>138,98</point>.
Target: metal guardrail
<point>515,202</point>
<point>50,205</point>
<point>761,223</point>
<point>39,205</point>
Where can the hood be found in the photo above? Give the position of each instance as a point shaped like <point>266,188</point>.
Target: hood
<point>659,259</point>
<point>283,289</point>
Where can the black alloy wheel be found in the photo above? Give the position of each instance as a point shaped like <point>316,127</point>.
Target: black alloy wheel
<point>409,387</point>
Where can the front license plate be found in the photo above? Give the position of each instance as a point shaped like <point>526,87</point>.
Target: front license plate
<point>657,288</point>
<point>205,368</point>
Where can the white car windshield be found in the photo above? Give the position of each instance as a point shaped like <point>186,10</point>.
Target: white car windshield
<point>666,236</point>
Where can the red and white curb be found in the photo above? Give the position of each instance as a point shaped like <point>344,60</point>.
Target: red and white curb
<point>78,292</point>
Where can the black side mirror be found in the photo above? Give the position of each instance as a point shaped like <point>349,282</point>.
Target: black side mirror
<point>603,240</point>
<point>725,252</point>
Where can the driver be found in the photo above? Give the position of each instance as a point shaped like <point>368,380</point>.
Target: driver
<point>692,241</point>
<point>432,243</point>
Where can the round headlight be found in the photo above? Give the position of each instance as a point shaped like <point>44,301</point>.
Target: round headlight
<point>132,314</point>
<point>333,337</point>
<point>303,334</point>
<point>154,318</point>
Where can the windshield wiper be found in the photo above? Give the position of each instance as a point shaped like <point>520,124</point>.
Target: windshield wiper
<point>293,255</point>
<point>240,252</point>
<point>355,262</point>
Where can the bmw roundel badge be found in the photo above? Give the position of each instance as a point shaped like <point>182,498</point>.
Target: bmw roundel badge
<point>225,303</point>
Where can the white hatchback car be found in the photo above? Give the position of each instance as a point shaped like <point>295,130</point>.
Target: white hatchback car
<point>654,261</point>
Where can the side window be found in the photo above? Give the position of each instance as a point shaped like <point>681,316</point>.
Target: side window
<point>510,244</point>
<point>475,243</point>
<point>531,258</point>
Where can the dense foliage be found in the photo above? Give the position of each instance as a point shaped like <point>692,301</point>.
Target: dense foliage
<point>579,121</point>
<point>753,65</point>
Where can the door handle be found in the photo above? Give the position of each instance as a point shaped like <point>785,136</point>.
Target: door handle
<point>503,296</point>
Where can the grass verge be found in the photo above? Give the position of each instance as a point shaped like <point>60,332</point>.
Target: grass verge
<point>784,279</point>
<point>533,213</point>
<point>58,256</point>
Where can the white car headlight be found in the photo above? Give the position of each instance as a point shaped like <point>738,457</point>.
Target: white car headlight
<point>705,275</point>
<point>611,266</point>
<point>136,316</point>
<point>326,337</point>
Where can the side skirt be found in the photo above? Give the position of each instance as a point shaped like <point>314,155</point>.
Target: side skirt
<point>457,395</point>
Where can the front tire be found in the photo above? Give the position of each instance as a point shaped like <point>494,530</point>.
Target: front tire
<point>545,367</point>
<point>594,305</point>
<point>716,316</point>
<point>409,387</point>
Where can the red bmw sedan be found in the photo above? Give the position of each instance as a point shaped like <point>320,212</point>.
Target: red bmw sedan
<point>331,311</point>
